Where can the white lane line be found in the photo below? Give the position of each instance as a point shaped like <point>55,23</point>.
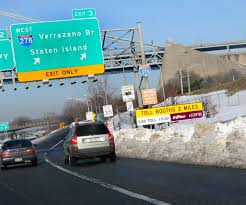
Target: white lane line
<point>56,145</point>
<point>104,184</point>
<point>107,185</point>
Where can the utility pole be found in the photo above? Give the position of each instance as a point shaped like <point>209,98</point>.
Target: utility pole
<point>1,80</point>
<point>105,91</point>
<point>181,81</point>
<point>136,75</point>
<point>188,80</point>
<point>141,46</point>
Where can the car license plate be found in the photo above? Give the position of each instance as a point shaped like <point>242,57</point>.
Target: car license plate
<point>98,139</point>
<point>18,159</point>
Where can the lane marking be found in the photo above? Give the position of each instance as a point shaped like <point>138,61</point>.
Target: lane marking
<point>107,185</point>
<point>56,145</point>
<point>102,183</point>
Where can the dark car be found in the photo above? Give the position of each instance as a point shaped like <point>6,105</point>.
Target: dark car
<point>17,152</point>
<point>88,140</point>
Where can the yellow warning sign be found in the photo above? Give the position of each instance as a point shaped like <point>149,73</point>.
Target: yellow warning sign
<point>173,109</point>
<point>61,124</point>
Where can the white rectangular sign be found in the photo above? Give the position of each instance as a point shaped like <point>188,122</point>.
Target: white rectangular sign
<point>153,120</point>
<point>108,111</point>
<point>129,106</point>
<point>128,93</point>
<point>89,115</point>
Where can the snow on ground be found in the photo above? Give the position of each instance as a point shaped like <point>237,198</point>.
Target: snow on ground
<point>218,141</point>
<point>217,144</point>
<point>227,107</point>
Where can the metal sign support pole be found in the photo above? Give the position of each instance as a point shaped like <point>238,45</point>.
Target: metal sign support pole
<point>1,80</point>
<point>141,46</point>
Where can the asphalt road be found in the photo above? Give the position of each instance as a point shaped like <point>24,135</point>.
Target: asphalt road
<point>128,181</point>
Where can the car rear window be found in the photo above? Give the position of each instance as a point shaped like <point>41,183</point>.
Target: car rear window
<point>92,129</point>
<point>17,144</point>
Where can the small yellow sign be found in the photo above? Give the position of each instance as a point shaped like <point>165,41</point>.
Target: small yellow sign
<point>60,73</point>
<point>94,115</point>
<point>182,108</point>
<point>62,125</point>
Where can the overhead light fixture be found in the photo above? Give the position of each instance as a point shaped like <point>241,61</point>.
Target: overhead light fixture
<point>27,87</point>
<point>74,82</point>
<point>38,86</point>
<point>91,76</point>
<point>94,80</point>
<point>50,85</point>
<point>15,88</point>
<point>84,81</point>
<point>45,82</point>
<point>61,84</point>
<point>3,90</point>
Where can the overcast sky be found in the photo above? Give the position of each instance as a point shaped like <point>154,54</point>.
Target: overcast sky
<point>183,21</point>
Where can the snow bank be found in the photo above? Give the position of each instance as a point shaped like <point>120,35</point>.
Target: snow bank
<point>217,144</point>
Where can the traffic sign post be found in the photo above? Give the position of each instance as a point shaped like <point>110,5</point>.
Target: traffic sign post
<point>57,49</point>
<point>83,13</point>
<point>128,93</point>
<point>149,96</point>
<point>129,106</point>
<point>144,71</point>
<point>91,116</point>
<point>108,111</point>
<point>170,113</point>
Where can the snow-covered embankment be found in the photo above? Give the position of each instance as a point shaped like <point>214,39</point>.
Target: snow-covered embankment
<point>217,144</point>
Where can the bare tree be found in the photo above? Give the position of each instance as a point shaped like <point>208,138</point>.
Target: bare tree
<point>21,121</point>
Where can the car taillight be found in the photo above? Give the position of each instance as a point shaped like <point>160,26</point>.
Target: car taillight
<point>75,138</point>
<point>30,151</point>
<point>4,154</point>
<point>110,137</point>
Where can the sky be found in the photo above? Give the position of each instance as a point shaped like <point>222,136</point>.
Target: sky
<point>182,21</point>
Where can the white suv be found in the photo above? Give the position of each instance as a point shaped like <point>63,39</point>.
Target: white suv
<point>87,140</point>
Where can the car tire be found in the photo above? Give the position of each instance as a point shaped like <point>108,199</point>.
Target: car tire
<point>65,159</point>
<point>71,160</point>
<point>35,162</point>
<point>103,158</point>
<point>3,167</point>
<point>112,157</point>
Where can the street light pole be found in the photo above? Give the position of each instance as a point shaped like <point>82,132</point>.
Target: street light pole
<point>188,80</point>
<point>162,84</point>
<point>181,81</point>
<point>105,93</point>
<point>87,103</point>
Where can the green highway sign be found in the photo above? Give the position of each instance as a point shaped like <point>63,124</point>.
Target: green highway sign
<point>57,49</point>
<point>4,126</point>
<point>83,13</point>
<point>6,56</point>
<point>3,35</point>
